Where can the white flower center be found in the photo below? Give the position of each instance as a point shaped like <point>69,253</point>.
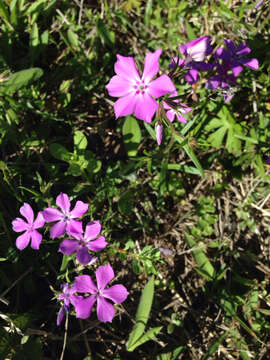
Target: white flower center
<point>140,88</point>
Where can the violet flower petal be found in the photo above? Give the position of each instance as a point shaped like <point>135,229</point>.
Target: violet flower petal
<point>68,246</point>
<point>84,284</point>
<point>79,209</point>
<point>118,86</point>
<point>105,310</point>
<point>192,76</point>
<point>97,245</point>
<point>74,228</point>
<point>36,239</point>
<point>117,293</point>
<point>251,63</point>
<point>83,256</point>
<point>104,275</point>
<point>51,214</point>
<point>23,240</point>
<point>27,212</point>
<point>83,306</point>
<point>19,225</point>
<point>39,222</point>
<point>58,229</point>
<point>63,202</point>
<point>92,230</point>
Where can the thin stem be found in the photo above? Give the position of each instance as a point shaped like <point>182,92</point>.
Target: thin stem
<point>65,338</point>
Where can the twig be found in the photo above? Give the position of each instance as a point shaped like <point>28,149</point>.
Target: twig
<point>65,338</point>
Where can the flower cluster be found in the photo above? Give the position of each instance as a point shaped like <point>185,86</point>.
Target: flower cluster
<point>139,94</point>
<point>84,243</point>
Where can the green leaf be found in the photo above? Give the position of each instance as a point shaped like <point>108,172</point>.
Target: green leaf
<point>149,335</point>
<point>132,135</point>
<point>20,79</point>
<point>80,141</point>
<point>148,12</point>
<point>73,38</point>
<point>125,203</point>
<point>142,315</point>
<point>107,36</point>
<point>150,130</point>
<point>60,152</point>
<point>194,158</point>
<point>205,268</point>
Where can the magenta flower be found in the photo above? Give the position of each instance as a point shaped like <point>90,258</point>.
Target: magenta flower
<point>65,217</point>
<point>66,296</point>
<point>29,228</point>
<point>105,310</point>
<point>82,243</point>
<point>137,93</point>
<point>175,109</point>
<point>196,50</point>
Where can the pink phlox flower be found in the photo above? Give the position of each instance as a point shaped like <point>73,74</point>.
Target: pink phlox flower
<point>138,93</point>
<point>83,242</point>
<point>29,227</point>
<point>105,310</point>
<point>65,217</point>
<point>66,297</point>
<point>177,110</point>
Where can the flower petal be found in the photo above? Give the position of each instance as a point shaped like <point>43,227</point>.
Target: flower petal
<point>98,244</point>
<point>83,256</point>
<point>126,68</point>
<point>39,222</point>
<point>51,214</point>
<point>251,63</point>
<point>159,132</point>
<point>19,225</point>
<point>104,275</point>
<point>105,310</point>
<point>192,76</point>
<point>151,65</point>
<point>36,239</point>
<point>23,240</point>
<point>58,229</point>
<point>117,293</point>
<point>145,107</point>
<point>75,229</point>
<point>92,230</point>
<point>161,86</point>
<point>83,306</point>
<point>63,202</point>
<point>79,209</point>
<point>27,212</point>
<point>119,86</point>
<point>125,105</point>
<point>68,246</point>
<point>84,284</point>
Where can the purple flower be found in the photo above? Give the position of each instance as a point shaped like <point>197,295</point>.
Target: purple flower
<point>82,243</point>
<point>159,132</point>
<point>65,217</point>
<point>105,310</point>
<point>28,227</point>
<point>66,296</point>
<point>259,3</point>
<point>197,49</point>
<point>222,79</point>
<point>137,92</point>
<point>234,56</point>
<point>175,109</point>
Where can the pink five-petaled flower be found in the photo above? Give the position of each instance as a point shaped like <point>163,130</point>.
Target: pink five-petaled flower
<point>67,296</point>
<point>105,310</point>
<point>28,227</point>
<point>137,92</point>
<point>65,217</point>
<point>82,243</point>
